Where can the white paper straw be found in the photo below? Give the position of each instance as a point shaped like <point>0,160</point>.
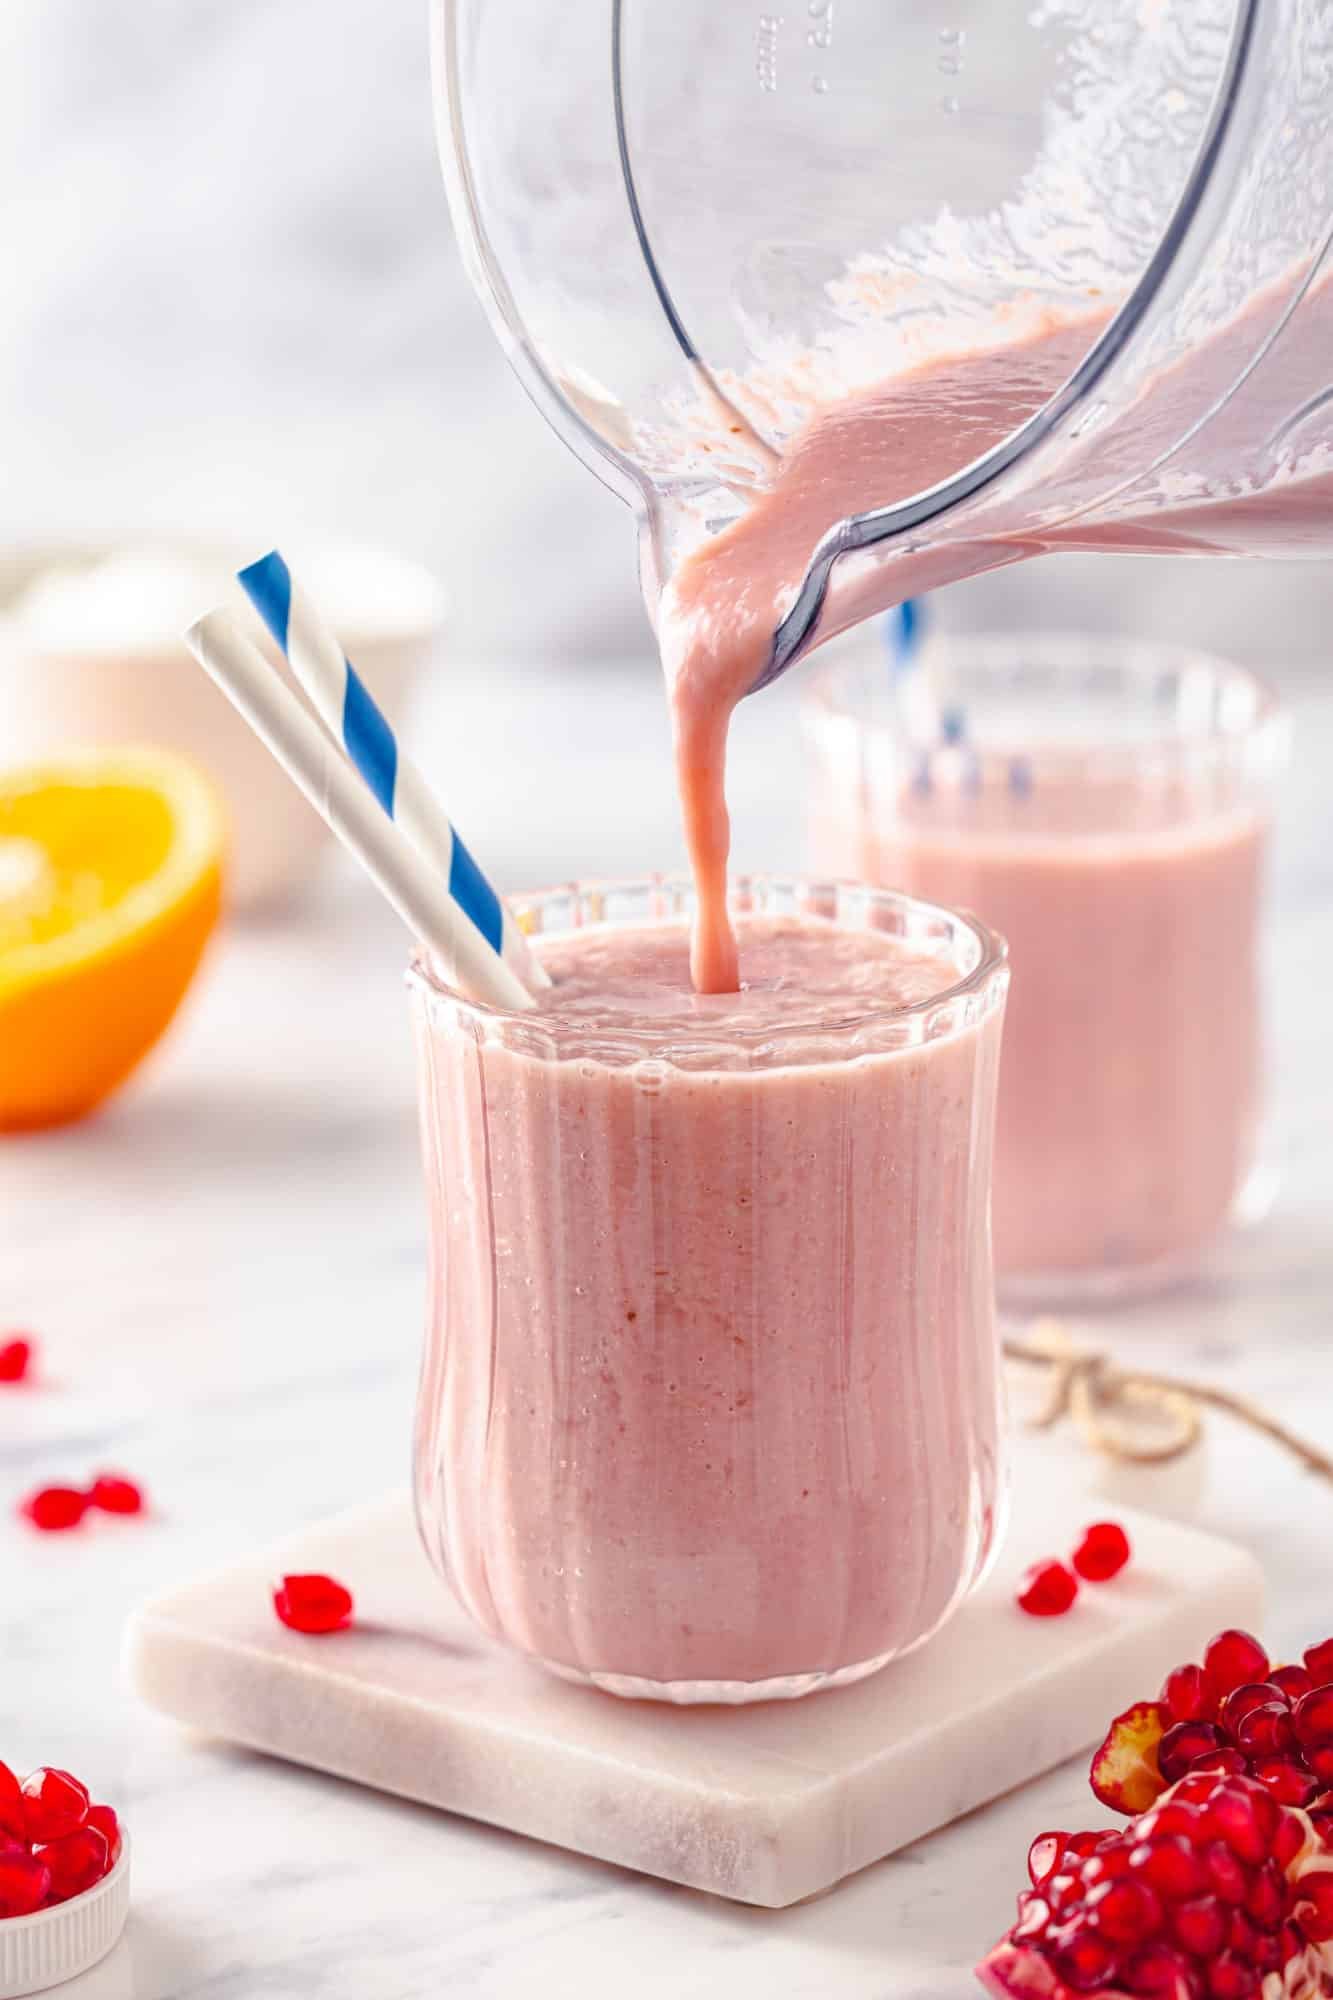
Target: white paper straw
<point>315,764</point>
<point>348,710</point>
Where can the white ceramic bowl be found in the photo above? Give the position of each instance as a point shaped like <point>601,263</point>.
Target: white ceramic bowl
<point>90,653</point>
<point>44,1950</point>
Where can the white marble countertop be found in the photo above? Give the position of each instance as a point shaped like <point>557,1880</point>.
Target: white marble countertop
<point>226,1274</point>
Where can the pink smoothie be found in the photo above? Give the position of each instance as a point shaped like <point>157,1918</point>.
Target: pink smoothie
<point>710,1392</point>
<point>1235,488</point>
<point>1132,1085</point>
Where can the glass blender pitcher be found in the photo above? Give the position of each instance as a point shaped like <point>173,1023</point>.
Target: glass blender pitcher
<point>700,226</point>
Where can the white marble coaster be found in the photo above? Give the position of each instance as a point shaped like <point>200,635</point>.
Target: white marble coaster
<point>765,1805</point>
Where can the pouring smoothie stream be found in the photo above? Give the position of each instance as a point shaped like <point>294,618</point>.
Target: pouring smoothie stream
<point>884,301</point>
<point>721,609</point>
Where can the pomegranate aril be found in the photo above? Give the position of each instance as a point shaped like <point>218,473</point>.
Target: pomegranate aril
<point>1312,1717</point>
<point>11,1803</point>
<point>1223,1763</point>
<point>1230,1978</point>
<point>1103,1868</point>
<point>1288,1783</point>
<point>1319,1663</point>
<point>1200,1926</point>
<point>1243,1701</point>
<point>1244,1818</point>
<point>1266,1897</point>
<point>1226,1876</point>
<point>1102,1553</point>
<point>1169,1866</point>
<point>114,1494</point>
<point>1267,1953</point>
<point>15,1358</point>
<point>1126,1912</point>
<point>1047,1590</point>
<point>1085,1961</point>
<point>1266,1732</point>
<point>1231,1659</point>
<point>53,1508</point>
<point>75,1862</point>
<point>24,1883</point>
<point>1183,1743</point>
<point>1175,1816</point>
<point>54,1804</point>
<point>1293,1681</point>
<point>1319,1757</point>
<point>1084,1844</point>
<point>1185,1696</point>
<point>1157,1969</point>
<point>1193,1791</point>
<point>1244,1937</point>
<point>312,1603</point>
<point>1289,1838</point>
<point>1313,1908</point>
<point>1044,1856</point>
<point>106,1823</point>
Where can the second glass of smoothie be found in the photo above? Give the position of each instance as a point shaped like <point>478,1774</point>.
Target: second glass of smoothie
<point>1106,806</point>
<point>709,1408</point>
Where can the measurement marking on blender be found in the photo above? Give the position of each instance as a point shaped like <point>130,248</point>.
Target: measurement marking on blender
<point>766,51</point>
<point>819,35</point>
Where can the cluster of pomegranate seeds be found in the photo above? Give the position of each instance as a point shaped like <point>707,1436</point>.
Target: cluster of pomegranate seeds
<point>1202,1898</point>
<point>1221,1888</point>
<point>16,1354</point>
<point>1232,1712</point>
<point>54,1842</point>
<point>55,1508</point>
<point>1048,1589</point>
<point>313,1603</point>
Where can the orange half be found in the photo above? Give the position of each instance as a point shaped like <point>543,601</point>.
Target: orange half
<point>110,884</point>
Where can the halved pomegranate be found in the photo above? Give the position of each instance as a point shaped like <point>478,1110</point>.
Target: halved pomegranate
<point>1217,1892</point>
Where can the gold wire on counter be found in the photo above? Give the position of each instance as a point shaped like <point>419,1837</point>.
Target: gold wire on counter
<point>1133,1414</point>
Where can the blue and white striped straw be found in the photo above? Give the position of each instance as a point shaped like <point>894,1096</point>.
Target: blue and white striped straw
<point>310,756</point>
<point>349,712</point>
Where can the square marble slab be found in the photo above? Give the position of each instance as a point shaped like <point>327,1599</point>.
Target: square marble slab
<point>764,1805</point>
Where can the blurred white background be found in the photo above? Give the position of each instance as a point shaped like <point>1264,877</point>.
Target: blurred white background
<point>233,304</point>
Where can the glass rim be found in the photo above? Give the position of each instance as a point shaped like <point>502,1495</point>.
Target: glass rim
<point>832,694</point>
<point>992,962</point>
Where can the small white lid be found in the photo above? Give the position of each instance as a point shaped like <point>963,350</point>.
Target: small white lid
<point>57,1944</point>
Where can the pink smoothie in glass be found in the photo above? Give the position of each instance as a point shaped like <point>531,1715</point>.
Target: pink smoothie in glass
<point>1126,874</point>
<point>709,1408</point>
